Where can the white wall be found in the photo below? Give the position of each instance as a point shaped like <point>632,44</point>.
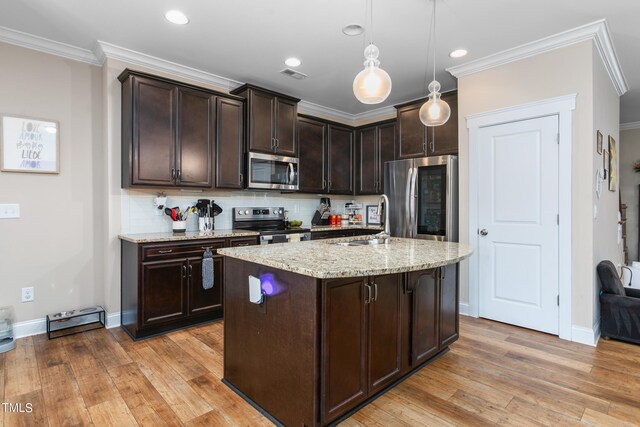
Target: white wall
<point>629,181</point>
<point>552,74</point>
<point>56,245</point>
<point>606,118</point>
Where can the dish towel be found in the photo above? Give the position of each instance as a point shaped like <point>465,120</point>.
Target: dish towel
<point>207,269</point>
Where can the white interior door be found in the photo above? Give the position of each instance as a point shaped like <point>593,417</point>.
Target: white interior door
<point>518,223</point>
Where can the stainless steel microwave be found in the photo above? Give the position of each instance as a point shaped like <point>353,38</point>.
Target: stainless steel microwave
<point>271,172</point>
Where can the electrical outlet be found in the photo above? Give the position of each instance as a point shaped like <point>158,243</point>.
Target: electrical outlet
<point>27,294</point>
<point>10,211</point>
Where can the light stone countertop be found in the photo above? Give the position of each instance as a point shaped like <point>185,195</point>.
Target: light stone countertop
<point>189,235</point>
<point>324,259</point>
<point>345,227</point>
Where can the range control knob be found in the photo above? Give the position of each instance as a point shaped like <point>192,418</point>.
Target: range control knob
<point>240,212</point>
<point>275,211</point>
<point>246,212</point>
<point>280,211</point>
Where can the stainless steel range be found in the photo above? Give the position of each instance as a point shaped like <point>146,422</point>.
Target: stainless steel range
<point>270,223</point>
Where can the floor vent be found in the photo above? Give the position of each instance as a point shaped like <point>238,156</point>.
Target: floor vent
<point>292,73</point>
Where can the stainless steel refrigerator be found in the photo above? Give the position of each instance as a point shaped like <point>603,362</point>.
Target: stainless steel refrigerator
<point>423,197</point>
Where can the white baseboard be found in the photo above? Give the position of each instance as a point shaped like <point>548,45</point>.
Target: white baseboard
<point>113,320</point>
<point>588,336</point>
<point>39,326</point>
<point>30,327</point>
<point>463,307</point>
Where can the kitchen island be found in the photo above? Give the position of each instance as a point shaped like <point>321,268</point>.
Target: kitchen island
<point>337,324</point>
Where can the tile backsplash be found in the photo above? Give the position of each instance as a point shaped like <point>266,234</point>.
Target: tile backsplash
<point>139,214</point>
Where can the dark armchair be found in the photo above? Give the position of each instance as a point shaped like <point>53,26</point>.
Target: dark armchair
<point>619,306</point>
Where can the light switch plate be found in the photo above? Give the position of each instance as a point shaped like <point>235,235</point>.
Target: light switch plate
<point>10,211</point>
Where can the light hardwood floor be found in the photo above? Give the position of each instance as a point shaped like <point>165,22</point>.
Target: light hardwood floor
<point>494,374</point>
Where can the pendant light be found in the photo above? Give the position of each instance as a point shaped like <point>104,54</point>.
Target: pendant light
<point>372,85</point>
<point>434,112</point>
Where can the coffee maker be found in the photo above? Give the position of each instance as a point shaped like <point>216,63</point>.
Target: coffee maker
<point>321,217</point>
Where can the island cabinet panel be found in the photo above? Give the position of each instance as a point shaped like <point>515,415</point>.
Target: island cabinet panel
<point>425,319</point>
<point>344,345</point>
<point>385,325</point>
<point>449,307</point>
<point>361,340</point>
<point>272,350</point>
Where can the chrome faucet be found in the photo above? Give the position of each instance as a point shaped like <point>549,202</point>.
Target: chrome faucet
<point>387,226</point>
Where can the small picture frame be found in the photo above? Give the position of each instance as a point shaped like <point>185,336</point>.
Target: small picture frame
<point>599,142</point>
<point>605,163</point>
<point>613,165</point>
<point>372,215</point>
<point>29,145</point>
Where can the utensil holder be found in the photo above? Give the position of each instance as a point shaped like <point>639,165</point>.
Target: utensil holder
<point>179,226</point>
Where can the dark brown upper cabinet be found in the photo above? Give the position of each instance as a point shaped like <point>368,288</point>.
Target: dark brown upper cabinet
<point>169,133</point>
<point>340,153</point>
<point>229,143</point>
<point>271,121</point>
<point>326,156</point>
<point>418,140</point>
<point>312,135</point>
<point>375,146</point>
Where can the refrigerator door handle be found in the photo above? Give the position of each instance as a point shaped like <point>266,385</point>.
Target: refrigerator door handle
<point>408,204</point>
<point>412,204</point>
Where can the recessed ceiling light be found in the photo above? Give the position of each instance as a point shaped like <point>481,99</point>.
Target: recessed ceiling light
<point>353,30</point>
<point>458,53</point>
<point>292,62</point>
<point>176,17</point>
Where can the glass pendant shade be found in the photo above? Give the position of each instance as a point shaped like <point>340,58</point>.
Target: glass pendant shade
<point>434,112</point>
<point>372,85</point>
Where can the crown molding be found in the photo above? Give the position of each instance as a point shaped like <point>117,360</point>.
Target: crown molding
<point>111,51</point>
<point>30,41</point>
<point>374,115</point>
<point>597,31</point>
<point>629,125</point>
<point>306,107</point>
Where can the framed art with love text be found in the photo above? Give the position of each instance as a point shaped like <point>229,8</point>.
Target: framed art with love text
<point>29,145</point>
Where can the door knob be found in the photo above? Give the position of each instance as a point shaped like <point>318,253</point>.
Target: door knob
<point>484,232</point>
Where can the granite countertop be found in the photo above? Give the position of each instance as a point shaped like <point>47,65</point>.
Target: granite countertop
<point>189,235</point>
<point>345,227</point>
<point>325,259</point>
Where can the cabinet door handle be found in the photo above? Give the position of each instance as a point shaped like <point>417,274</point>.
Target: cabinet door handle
<point>173,174</point>
<point>443,273</point>
<point>433,146</point>
<point>367,298</point>
<point>190,270</point>
<point>179,174</point>
<point>277,143</point>
<point>165,251</point>
<point>375,292</point>
<point>424,147</point>
<point>241,179</point>
<point>242,244</point>
<point>324,183</point>
<point>184,271</point>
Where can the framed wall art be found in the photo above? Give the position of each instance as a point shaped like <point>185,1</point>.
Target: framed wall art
<point>613,165</point>
<point>29,145</point>
<point>599,142</point>
<point>605,164</point>
<point>372,215</point>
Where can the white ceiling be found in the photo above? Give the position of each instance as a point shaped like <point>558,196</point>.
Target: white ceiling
<point>247,41</point>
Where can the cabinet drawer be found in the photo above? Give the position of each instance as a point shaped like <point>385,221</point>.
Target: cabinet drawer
<point>164,251</point>
<point>242,241</point>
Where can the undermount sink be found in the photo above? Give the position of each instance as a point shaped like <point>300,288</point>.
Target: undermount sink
<point>367,242</point>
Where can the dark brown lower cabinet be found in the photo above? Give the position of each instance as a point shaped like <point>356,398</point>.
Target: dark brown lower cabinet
<point>329,345</point>
<point>162,288</point>
<point>361,340</point>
